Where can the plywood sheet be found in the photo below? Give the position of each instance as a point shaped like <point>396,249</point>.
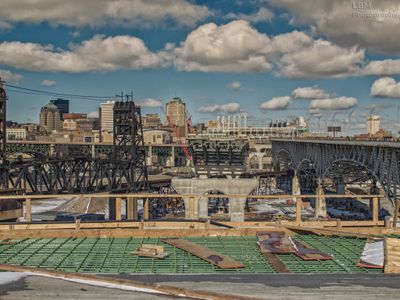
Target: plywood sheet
<point>305,252</point>
<point>372,256</point>
<point>275,242</point>
<point>213,257</point>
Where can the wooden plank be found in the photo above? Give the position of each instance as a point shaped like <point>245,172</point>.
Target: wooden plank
<point>146,212</point>
<point>325,231</point>
<point>305,252</point>
<point>278,265</point>
<point>275,242</point>
<point>118,209</point>
<point>213,257</point>
<point>28,210</point>
<point>392,256</point>
<point>131,208</point>
<point>144,287</point>
<point>375,210</point>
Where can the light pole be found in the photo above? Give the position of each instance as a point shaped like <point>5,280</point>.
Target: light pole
<point>348,123</point>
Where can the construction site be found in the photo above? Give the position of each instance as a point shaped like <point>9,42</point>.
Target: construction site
<point>103,227</point>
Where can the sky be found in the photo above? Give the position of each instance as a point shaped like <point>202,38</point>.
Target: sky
<point>333,61</point>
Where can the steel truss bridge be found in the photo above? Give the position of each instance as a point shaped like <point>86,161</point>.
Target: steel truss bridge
<point>91,150</point>
<point>219,156</point>
<point>356,161</point>
<point>124,169</point>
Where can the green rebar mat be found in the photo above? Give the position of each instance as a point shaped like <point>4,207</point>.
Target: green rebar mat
<point>101,255</point>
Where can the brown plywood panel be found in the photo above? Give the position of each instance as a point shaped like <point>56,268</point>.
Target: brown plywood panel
<point>305,252</point>
<point>275,242</point>
<point>213,257</point>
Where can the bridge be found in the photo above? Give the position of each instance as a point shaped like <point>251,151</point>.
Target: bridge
<point>168,155</point>
<point>336,164</point>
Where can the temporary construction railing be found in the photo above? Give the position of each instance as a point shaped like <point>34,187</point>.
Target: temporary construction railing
<point>192,202</point>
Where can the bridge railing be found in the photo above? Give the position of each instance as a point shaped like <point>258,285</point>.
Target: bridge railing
<point>193,202</point>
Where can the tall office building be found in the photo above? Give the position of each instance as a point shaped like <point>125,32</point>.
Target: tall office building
<point>107,116</point>
<point>176,113</point>
<point>50,117</point>
<point>62,105</point>
<point>373,124</point>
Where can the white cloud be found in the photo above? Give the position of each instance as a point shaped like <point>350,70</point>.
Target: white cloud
<point>10,77</point>
<point>48,82</point>
<point>333,103</point>
<point>235,85</point>
<point>234,47</point>
<point>310,93</point>
<point>101,12</point>
<point>276,103</point>
<point>290,42</point>
<point>97,54</point>
<point>262,15</point>
<point>321,59</point>
<point>382,67</point>
<point>149,102</point>
<point>315,112</point>
<point>227,108</point>
<point>335,20</point>
<point>385,87</point>
<point>93,114</point>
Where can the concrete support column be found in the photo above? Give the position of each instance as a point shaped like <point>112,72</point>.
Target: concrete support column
<point>131,209</point>
<point>172,158</point>
<point>191,208</point>
<point>296,185</point>
<point>149,158</point>
<point>340,186</point>
<point>320,203</point>
<point>236,209</point>
<point>202,207</point>
<point>260,162</point>
<point>296,190</point>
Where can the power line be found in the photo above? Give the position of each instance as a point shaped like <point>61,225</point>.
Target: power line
<point>43,94</point>
<point>56,94</point>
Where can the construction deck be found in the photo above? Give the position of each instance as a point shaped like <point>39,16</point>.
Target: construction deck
<point>112,255</point>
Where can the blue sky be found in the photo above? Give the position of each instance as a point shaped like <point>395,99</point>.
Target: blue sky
<point>213,54</point>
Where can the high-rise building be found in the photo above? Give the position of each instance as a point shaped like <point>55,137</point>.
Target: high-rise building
<point>62,105</point>
<point>373,124</point>
<point>151,121</point>
<point>50,117</point>
<point>107,116</point>
<point>176,113</point>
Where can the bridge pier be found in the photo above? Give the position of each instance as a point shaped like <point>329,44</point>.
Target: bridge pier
<point>149,158</point>
<point>171,159</point>
<point>236,209</point>
<point>320,203</point>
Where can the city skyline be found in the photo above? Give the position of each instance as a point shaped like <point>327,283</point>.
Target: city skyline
<point>224,57</point>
